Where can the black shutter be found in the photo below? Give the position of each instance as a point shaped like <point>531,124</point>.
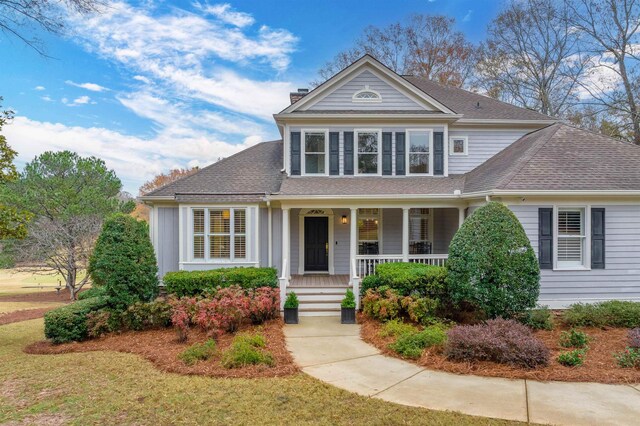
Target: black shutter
<point>386,154</point>
<point>545,238</point>
<point>348,153</point>
<point>400,169</point>
<point>334,153</point>
<point>597,238</point>
<point>438,153</point>
<point>295,153</point>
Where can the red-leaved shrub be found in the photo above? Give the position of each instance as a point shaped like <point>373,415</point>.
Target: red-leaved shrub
<point>634,338</point>
<point>264,304</point>
<point>498,340</point>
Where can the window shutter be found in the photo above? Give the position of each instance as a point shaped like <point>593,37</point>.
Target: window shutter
<point>400,150</point>
<point>295,153</point>
<point>438,153</point>
<point>386,154</point>
<point>597,238</point>
<point>545,238</point>
<point>348,153</point>
<point>334,153</point>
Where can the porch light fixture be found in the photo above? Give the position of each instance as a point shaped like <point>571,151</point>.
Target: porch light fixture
<point>344,219</point>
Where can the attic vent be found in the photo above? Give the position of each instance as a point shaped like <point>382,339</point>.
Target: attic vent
<point>367,95</point>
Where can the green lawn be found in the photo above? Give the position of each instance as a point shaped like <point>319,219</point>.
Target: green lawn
<point>13,282</point>
<point>115,388</point>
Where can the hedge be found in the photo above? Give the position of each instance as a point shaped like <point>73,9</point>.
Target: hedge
<point>69,323</point>
<point>408,278</point>
<point>194,283</point>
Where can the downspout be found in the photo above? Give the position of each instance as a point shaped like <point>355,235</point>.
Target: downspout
<point>269,233</point>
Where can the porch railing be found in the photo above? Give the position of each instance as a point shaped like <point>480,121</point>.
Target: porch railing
<point>366,264</point>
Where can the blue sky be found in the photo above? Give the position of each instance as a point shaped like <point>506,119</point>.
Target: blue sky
<point>152,85</point>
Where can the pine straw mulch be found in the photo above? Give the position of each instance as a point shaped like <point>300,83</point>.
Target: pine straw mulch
<point>162,347</point>
<point>23,315</point>
<point>599,365</point>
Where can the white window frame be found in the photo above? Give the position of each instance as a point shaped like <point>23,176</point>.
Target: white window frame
<point>303,152</point>
<point>355,98</point>
<point>466,145</point>
<point>586,239</point>
<point>369,216</point>
<point>408,151</point>
<point>232,234</point>
<point>356,151</point>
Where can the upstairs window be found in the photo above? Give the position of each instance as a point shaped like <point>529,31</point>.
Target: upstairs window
<point>315,156</point>
<point>368,154</point>
<point>419,152</point>
<point>458,145</point>
<point>366,95</point>
<point>571,237</point>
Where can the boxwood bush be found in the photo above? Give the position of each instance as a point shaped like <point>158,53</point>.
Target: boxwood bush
<point>195,283</point>
<point>408,278</point>
<point>492,265</point>
<point>614,313</point>
<point>69,323</point>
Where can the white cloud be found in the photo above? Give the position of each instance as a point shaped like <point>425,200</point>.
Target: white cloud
<point>467,17</point>
<point>226,14</point>
<point>81,100</point>
<point>46,98</point>
<point>142,79</point>
<point>39,88</point>
<point>88,86</point>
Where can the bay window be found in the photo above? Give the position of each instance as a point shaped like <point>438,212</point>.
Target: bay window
<point>419,152</point>
<point>571,234</point>
<point>225,237</point>
<point>368,152</point>
<point>369,231</point>
<point>315,156</point>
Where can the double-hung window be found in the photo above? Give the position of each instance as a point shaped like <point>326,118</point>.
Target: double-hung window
<point>368,231</point>
<point>219,234</point>
<point>419,231</point>
<point>315,155</point>
<point>419,152</point>
<point>368,152</point>
<point>571,234</point>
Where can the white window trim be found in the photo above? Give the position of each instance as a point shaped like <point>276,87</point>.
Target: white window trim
<point>303,152</point>
<point>586,266</point>
<point>380,233</point>
<point>408,151</point>
<point>356,152</point>
<point>355,99</point>
<point>466,145</point>
<point>207,234</point>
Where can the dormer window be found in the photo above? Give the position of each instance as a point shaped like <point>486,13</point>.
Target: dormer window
<point>366,95</point>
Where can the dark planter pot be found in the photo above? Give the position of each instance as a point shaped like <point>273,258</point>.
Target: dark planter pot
<point>290,315</point>
<point>348,315</point>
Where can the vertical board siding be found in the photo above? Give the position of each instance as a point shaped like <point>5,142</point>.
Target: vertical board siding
<point>621,277</point>
<point>391,231</point>
<point>168,240</point>
<point>341,98</point>
<point>483,144</point>
<point>445,226</point>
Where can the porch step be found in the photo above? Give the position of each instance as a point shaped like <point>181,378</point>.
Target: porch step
<point>318,312</point>
<point>319,301</point>
<point>318,290</point>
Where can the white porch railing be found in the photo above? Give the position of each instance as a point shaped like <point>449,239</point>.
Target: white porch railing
<point>366,264</point>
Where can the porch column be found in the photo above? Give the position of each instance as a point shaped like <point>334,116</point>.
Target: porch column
<point>405,234</point>
<point>460,216</point>
<point>353,241</point>
<point>286,256</point>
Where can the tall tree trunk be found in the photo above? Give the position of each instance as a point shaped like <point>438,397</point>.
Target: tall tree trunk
<point>633,107</point>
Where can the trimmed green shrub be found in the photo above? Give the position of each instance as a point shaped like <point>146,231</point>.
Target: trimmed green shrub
<point>147,316</point>
<point>291,301</point>
<point>629,358</point>
<point>396,328</point>
<point>196,283</point>
<point>124,263</point>
<point>574,339</point>
<point>491,263</point>
<point>349,300</point>
<point>92,292</point>
<point>614,313</point>
<point>369,282</point>
<point>198,352</point>
<point>247,350</point>
<point>572,358</point>
<point>409,278</point>
<point>411,345</point>
<point>538,319</point>
<point>69,323</point>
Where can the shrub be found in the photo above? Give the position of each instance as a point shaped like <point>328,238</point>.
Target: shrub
<point>369,282</point>
<point>491,263</point>
<point>411,345</point>
<point>69,323</point>
<point>421,310</point>
<point>396,328</point>
<point>634,338</point>
<point>146,316</point>
<point>410,278</point>
<point>224,312</point>
<point>292,301</point>
<point>498,340</point>
<point>383,304</point>
<point>538,319</point>
<point>98,323</point>
<point>124,263</point>
<point>198,352</point>
<point>349,300</point>
<point>92,292</point>
<point>572,358</point>
<point>195,283</point>
<point>629,358</point>
<point>614,313</point>
<point>246,350</point>
<point>574,339</point>
<point>264,304</point>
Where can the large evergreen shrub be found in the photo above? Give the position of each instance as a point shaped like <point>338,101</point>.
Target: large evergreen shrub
<point>124,262</point>
<point>69,323</point>
<point>492,265</point>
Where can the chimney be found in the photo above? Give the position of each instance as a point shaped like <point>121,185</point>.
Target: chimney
<point>296,96</point>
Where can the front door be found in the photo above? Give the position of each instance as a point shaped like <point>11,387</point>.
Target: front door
<point>316,244</point>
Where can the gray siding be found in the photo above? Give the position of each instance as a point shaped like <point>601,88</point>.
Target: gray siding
<point>168,240</point>
<point>342,241</point>
<point>341,98</point>
<point>391,231</point>
<point>445,225</point>
<point>483,144</point>
<point>621,277</point>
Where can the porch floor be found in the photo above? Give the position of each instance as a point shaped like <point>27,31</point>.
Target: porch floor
<point>319,280</point>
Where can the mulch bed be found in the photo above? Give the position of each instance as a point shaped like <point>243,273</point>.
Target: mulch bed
<point>23,315</point>
<point>161,347</point>
<point>599,365</point>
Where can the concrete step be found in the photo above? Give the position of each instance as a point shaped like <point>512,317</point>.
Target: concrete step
<point>317,290</point>
<point>318,297</point>
<point>321,313</point>
<point>318,305</point>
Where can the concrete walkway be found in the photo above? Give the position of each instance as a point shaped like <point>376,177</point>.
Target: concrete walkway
<point>335,354</point>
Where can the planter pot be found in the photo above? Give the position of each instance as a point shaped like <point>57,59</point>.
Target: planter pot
<point>348,315</point>
<point>290,315</point>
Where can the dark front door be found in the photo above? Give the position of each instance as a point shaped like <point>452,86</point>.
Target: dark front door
<point>316,243</point>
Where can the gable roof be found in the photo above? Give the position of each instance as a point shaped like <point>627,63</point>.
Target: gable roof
<point>560,157</point>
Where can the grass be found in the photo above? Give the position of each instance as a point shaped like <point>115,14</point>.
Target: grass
<point>116,388</point>
<point>13,282</point>
<point>6,307</point>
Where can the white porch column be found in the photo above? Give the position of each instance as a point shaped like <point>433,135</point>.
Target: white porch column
<point>285,273</point>
<point>460,216</point>
<point>353,240</point>
<point>405,234</point>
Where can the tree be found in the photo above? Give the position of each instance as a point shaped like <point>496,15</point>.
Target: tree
<point>532,58</point>
<point>69,196</point>
<point>124,263</point>
<point>426,46</point>
<point>141,211</point>
<point>610,29</point>
<point>49,15</point>
<point>491,263</point>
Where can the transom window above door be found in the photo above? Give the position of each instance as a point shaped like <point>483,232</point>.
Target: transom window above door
<point>419,152</point>
<point>368,152</point>
<point>315,155</point>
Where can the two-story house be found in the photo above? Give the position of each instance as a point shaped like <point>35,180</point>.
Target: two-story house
<point>376,167</point>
